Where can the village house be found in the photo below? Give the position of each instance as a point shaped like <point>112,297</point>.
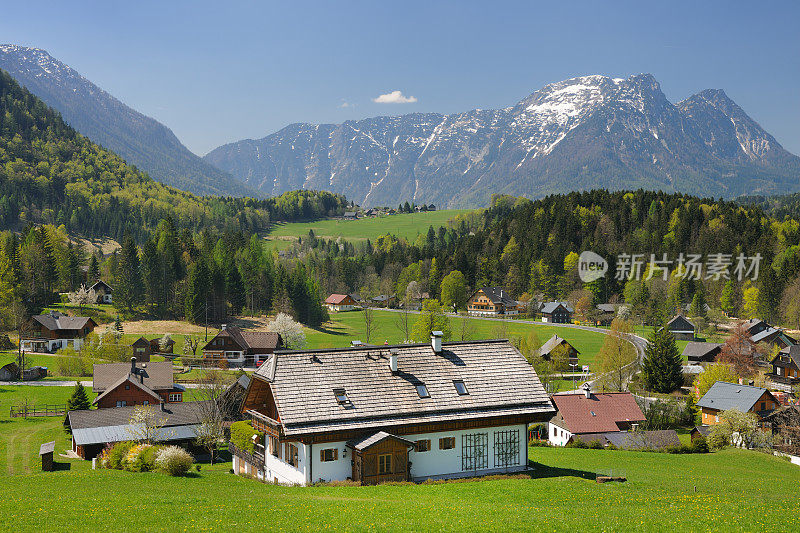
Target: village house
<point>773,337</point>
<point>492,301</point>
<point>723,396</point>
<point>606,313</point>
<point>681,328</point>
<point>392,413</point>
<point>53,331</point>
<point>103,291</point>
<point>556,312</point>
<point>786,368</point>
<point>340,302</point>
<point>141,350</point>
<point>383,300</point>
<point>591,413</point>
<point>702,352</point>
<point>234,347</point>
<point>93,430</point>
<point>124,385</point>
<point>155,346</point>
<point>556,342</point>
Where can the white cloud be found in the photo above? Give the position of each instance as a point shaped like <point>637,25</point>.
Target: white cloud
<point>346,104</point>
<point>394,97</point>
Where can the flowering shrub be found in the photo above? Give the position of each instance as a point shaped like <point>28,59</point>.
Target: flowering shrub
<point>174,460</point>
<point>140,458</point>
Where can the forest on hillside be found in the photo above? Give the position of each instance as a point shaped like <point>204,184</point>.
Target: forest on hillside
<point>50,174</point>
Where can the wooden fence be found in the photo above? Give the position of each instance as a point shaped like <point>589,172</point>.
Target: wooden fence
<point>25,411</point>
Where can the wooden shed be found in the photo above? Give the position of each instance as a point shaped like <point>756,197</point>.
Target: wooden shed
<point>380,457</point>
<point>46,454</point>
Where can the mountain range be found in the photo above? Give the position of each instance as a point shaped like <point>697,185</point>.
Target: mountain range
<point>140,140</point>
<point>578,134</point>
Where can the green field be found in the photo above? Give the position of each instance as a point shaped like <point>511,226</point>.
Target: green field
<point>406,226</point>
<point>348,326</point>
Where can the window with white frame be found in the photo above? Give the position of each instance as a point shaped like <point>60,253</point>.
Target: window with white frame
<point>175,396</point>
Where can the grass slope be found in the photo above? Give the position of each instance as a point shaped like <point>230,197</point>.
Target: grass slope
<point>730,490</point>
<point>347,326</point>
<point>406,226</point>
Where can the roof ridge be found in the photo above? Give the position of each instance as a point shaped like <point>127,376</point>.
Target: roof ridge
<point>386,346</point>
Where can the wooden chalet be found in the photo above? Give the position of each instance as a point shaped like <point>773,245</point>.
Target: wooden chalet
<point>234,347</point>
<point>723,396</point>
<point>702,352</point>
<point>786,368</point>
<point>784,423</point>
<point>340,302</point>
<point>53,331</point>
<point>492,301</point>
<point>141,350</point>
<point>390,413</point>
<point>123,384</point>
<point>555,342</point>
<point>556,312</point>
<point>681,328</point>
<point>103,291</point>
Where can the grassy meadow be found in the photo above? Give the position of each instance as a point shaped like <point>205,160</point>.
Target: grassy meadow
<point>347,326</point>
<point>406,226</point>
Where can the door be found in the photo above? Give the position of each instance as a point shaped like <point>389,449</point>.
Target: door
<point>474,451</point>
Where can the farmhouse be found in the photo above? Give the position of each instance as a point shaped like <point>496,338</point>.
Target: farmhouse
<point>786,367</point>
<point>383,300</point>
<point>103,291</point>
<point>557,312</point>
<point>50,332</point>
<point>592,414</point>
<point>754,326</point>
<point>340,302</point>
<point>607,313</point>
<point>92,430</point>
<point>123,384</point>
<point>492,301</point>
<point>393,413</point>
<point>234,347</point>
<point>681,328</point>
<point>723,396</point>
<point>556,342</point>
<point>702,352</point>
<point>773,337</point>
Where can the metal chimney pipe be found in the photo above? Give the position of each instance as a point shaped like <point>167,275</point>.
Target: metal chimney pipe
<point>436,341</point>
<point>393,359</point>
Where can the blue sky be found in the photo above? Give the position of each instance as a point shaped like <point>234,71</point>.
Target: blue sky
<point>217,72</point>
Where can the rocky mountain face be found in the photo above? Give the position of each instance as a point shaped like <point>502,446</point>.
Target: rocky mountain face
<point>577,134</point>
<point>141,140</point>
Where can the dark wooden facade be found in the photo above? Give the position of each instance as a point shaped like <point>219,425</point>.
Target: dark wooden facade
<point>385,461</point>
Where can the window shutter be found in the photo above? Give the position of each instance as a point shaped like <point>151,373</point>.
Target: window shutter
<point>322,456</point>
<point>336,454</point>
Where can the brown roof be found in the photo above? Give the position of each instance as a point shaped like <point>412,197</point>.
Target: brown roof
<point>156,376</point>
<point>55,321</point>
<point>498,379</point>
<point>335,299</point>
<point>552,343</point>
<point>248,340</point>
<point>141,341</point>
<point>176,414</point>
<point>133,380</point>
<point>697,351</point>
<point>602,413</point>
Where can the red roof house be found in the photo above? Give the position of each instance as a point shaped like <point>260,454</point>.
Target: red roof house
<point>340,302</point>
<point>590,413</point>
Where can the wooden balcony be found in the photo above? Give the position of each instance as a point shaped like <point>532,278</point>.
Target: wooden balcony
<point>262,422</point>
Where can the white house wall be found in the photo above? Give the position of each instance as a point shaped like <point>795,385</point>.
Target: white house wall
<point>557,436</point>
<point>434,463</point>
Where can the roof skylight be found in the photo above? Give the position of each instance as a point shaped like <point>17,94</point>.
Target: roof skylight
<point>341,397</point>
<point>422,390</point>
<point>461,389</point>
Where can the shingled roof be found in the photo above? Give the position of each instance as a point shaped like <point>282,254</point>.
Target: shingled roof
<point>723,396</point>
<point>552,343</point>
<point>335,299</point>
<point>679,323</point>
<point>248,340</point>
<point>701,351</point>
<point>549,307</point>
<point>55,321</point>
<point>498,379</point>
<point>793,352</point>
<point>601,413</point>
<point>155,376</point>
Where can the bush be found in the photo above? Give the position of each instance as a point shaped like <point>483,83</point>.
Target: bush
<point>115,456</point>
<point>141,458</point>
<point>595,445</point>
<point>700,445</point>
<point>174,460</point>
<point>242,435</point>
<point>678,449</point>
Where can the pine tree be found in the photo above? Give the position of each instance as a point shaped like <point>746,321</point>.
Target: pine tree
<point>661,367</point>
<point>729,298</point>
<point>198,287</point>
<point>118,325</point>
<point>79,400</point>
<point>94,270</point>
<point>698,307</point>
<point>234,288</point>
<point>128,290</point>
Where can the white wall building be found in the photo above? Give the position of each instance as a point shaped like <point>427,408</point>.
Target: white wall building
<point>392,413</point>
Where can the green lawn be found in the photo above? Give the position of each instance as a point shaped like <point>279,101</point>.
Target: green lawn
<point>348,326</point>
<point>726,491</point>
<point>406,226</point>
